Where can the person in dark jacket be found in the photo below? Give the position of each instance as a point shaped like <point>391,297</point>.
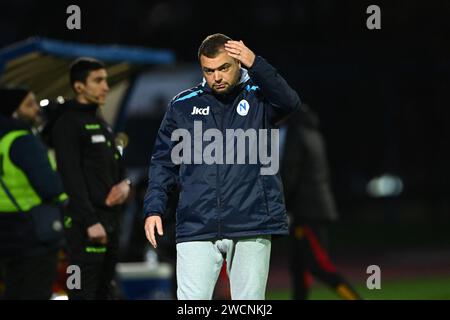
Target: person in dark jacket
<point>310,203</point>
<point>93,176</point>
<point>231,202</point>
<point>27,182</point>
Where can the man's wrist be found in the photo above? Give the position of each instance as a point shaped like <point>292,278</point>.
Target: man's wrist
<point>256,61</point>
<point>91,224</point>
<point>152,214</point>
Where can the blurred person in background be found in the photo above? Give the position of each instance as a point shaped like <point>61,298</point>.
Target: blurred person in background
<point>30,191</point>
<point>93,175</point>
<point>310,205</point>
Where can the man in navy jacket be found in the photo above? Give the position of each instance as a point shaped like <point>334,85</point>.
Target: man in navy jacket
<point>231,197</point>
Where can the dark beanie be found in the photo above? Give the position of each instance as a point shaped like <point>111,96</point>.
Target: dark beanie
<point>10,100</point>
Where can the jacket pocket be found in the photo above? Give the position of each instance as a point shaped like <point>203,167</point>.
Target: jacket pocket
<point>187,204</point>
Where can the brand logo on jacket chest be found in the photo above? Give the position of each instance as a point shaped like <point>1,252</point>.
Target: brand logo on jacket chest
<point>243,107</point>
<point>201,111</point>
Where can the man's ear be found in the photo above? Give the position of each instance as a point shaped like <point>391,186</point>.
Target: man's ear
<point>78,86</point>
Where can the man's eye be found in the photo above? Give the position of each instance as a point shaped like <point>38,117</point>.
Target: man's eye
<point>225,68</point>
<point>208,71</point>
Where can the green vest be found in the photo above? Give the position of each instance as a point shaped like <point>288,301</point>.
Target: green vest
<point>15,179</point>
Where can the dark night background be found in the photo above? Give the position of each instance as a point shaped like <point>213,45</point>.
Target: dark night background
<point>382,95</point>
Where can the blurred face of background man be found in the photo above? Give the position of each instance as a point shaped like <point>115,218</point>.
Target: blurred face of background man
<point>94,89</point>
<point>28,111</point>
<point>221,72</point>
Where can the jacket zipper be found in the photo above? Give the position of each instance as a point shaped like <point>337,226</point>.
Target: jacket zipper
<point>219,206</point>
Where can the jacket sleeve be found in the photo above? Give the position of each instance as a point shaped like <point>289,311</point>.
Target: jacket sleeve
<point>163,173</point>
<point>67,142</point>
<point>283,99</point>
<point>29,154</point>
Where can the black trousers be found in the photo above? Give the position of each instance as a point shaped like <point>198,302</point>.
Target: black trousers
<point>29,277</point>
<point>310,258</point>
<point>97,264</point>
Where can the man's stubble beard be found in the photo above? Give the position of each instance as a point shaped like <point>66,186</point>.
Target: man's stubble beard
<point>230,88</point>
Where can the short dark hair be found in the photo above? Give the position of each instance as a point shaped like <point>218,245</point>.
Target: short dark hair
<point>212,45</point>
<point>81,67</point>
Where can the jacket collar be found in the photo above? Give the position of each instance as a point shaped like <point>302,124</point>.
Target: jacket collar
<point>74,104</point>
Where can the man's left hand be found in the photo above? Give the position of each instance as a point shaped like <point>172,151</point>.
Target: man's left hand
<point>239,51</point>
<point>118,194</point>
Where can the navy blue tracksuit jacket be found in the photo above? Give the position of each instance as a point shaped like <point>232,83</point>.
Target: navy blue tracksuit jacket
<point>222,200</point>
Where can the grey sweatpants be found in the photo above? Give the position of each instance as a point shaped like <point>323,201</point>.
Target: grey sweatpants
<point>199,264</point>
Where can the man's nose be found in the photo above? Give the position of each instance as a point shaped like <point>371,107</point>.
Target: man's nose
<point>106,87</point>
<point>217,76</point>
